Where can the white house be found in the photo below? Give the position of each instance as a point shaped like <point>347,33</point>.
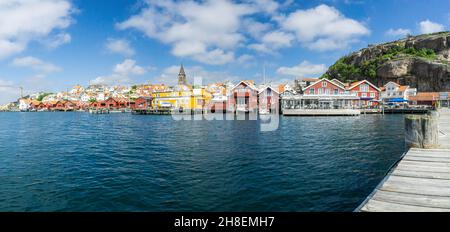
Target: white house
<point>395,93</point>
<point>24,104</point>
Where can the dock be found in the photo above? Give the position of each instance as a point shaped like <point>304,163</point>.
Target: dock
<point>321,112</point>
<point>419,182</point>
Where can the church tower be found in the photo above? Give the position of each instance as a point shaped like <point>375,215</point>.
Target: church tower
<point>182,76</point>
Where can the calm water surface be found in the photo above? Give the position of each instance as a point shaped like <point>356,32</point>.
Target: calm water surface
<point>122,162</point>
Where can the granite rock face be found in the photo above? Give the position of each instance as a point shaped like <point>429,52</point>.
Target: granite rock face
<point>422,73</point>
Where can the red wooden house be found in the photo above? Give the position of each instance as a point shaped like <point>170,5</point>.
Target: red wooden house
<point>142,103</point>
<point>97,105</point>
<point>369,94</point>
<point>243,98</point>
<point>326,94</point>
<point>324,87</point>
<point>111,103</point>
<point>268,100</point>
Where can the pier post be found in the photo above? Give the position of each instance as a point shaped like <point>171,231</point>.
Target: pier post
<point>421,131</point>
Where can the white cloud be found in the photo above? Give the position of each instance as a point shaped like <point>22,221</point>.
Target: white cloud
<point>267,6</point>
<point>245,58</point>
<point>428,26</point>
<point>303,69</point>
<point>399,32</point>
<point>323,28</point>
<point>23,21</point>
<point>207,31</point>
<point>120,46</point>
<point>35,64</point>
<point>254,28</point>
<point>273,40</point>
<point>58,40</point>
<point>129,67</point>
<point>122,73</point>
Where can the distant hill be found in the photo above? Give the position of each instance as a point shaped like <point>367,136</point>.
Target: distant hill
<point>420,61</point>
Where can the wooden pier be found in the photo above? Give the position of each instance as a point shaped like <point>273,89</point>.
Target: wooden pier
<point>321,112</point>
<point>419,182</point>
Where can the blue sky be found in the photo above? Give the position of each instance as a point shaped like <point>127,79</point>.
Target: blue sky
<point>51,45</point>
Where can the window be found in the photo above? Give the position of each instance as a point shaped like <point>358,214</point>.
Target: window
<point>336,91</point>
<point>324,84</point>
<point>372,95</point>
<point>364,88</point>
<point>311,91</point>
<point>320,91</point>
<point>327,91</point>
<point>364,95</point>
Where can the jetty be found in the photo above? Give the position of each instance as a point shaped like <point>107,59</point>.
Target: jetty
<point>420,181</point>
<point>321,112</point>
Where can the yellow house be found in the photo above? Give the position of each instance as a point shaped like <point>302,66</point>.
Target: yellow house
<point>182,98</point>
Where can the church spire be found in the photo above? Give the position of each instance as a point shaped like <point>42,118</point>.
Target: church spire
<point>182,76</point>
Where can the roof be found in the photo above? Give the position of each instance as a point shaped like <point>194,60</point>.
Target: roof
<point>392,83</point>
<point>425,96</point>
<point>247,84</point>
<point>320,80</point>
<point>266,87</point>
<point>354,84</point>
<point>403,88</point>
<point>338,82</point>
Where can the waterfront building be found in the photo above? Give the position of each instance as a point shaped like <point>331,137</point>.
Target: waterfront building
<point>325,94</point>
<point>268,100</point>
<point>182,98</point>
<point>430,99</point>
<point>368,93</point>
<point>143,103</point>
<point>393,93</point>
<point>24,104</point>
<point>243,97</point>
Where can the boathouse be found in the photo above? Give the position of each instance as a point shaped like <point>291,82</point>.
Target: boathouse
<point>268,100</point>
<point>243,98</point>
<point>143,103</point>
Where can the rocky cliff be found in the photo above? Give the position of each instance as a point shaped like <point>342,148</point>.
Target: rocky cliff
<point>420,61</point>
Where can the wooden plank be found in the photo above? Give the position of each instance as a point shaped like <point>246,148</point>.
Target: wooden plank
<point>416,189</point>
<point>381,206</point>
<point>437,151</point>
<point>427,159</point>
<point>413,199</point>
<point>436,154</point>
<point>422,168</point>
<point>429,154</point>
<point>428,164</point>
<point>413,181</point>
<point>421,174</point>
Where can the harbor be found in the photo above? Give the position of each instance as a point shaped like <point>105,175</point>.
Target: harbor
<point>420,180</point>
<point>125,162</point>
